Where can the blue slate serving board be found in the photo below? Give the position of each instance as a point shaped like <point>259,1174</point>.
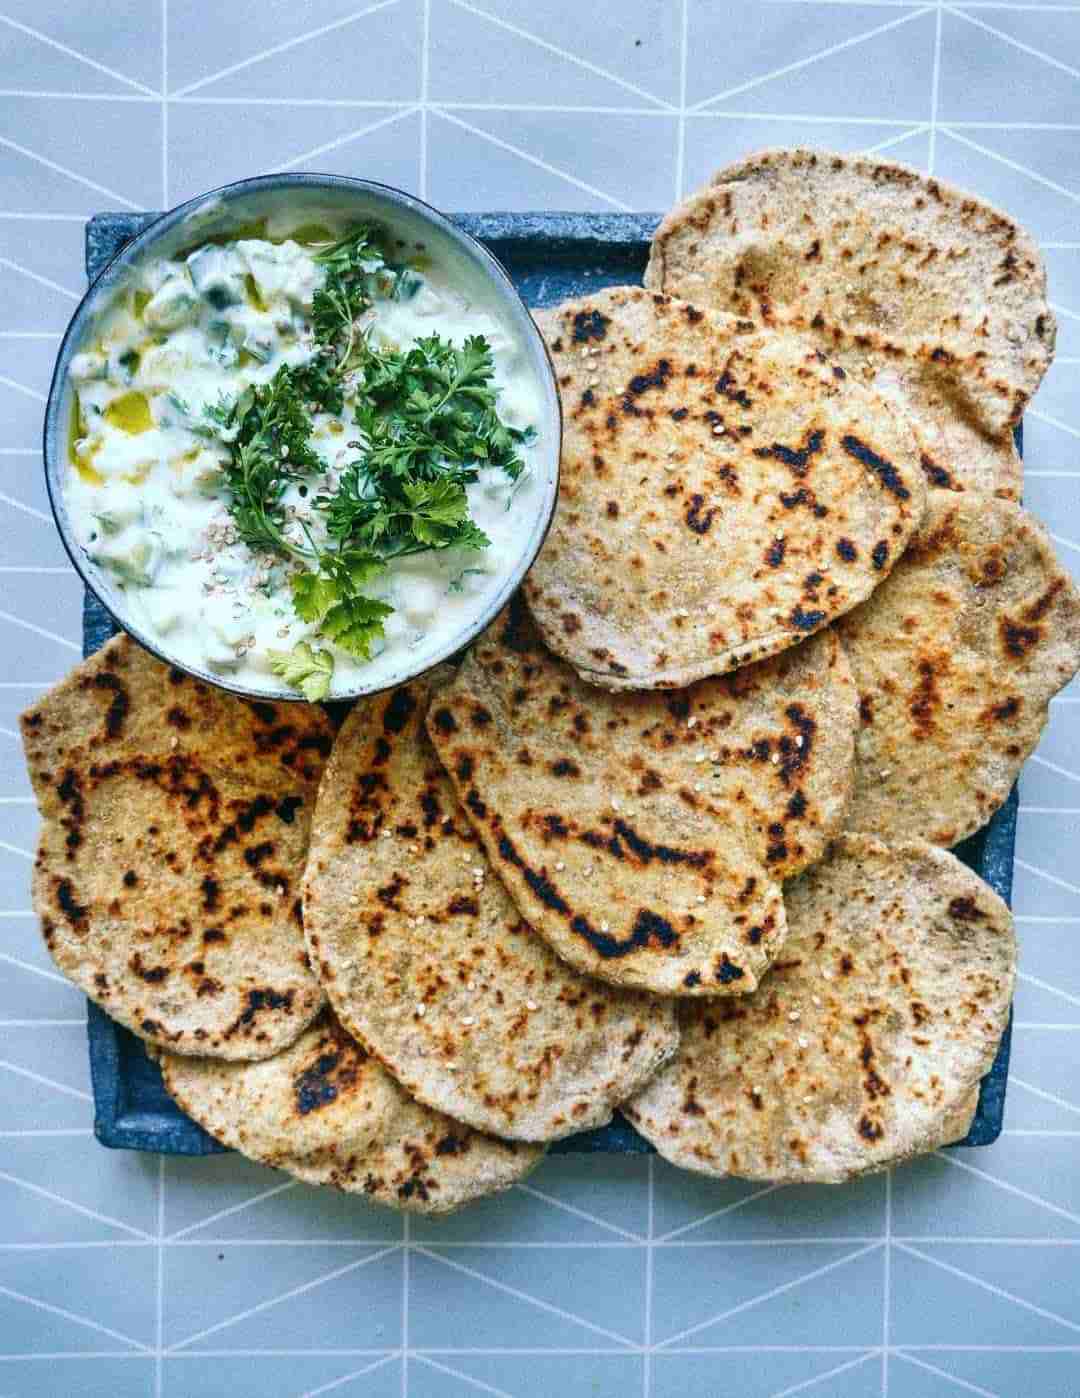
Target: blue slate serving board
<point>549,257</point>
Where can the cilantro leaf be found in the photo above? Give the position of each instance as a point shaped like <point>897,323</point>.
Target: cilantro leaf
<point>305,669</point>
<point>356,624</point>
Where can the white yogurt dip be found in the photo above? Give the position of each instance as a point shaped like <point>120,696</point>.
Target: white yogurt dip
<point>151,488</point>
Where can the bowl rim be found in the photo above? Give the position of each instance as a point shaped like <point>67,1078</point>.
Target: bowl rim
<point>488,264</point>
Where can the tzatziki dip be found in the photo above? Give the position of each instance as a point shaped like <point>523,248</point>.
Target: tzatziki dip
<point>304,462</point>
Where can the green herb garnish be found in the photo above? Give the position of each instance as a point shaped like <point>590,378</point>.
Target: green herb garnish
<point>427,420</point>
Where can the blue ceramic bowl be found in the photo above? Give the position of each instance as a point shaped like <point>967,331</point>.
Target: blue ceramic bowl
<point>306,198</point>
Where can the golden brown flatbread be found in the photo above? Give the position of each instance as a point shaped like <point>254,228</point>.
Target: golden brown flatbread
<point>722,496</point>
<point>865,1043</point>
<point>428,961</point>
<point>175,823</point>
<point>933,297</point>
<point>956,657</point>
<point>326,1111</point>
<point>645,835</point>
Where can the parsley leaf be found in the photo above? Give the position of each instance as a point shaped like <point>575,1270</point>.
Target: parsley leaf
<point>305,669</point>
<point>313,595</point>
<point>355,624</point>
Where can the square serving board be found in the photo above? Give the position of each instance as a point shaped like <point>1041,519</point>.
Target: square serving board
<point>549,257</point>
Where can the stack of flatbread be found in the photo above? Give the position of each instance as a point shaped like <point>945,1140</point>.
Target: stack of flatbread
<point>675,834</point>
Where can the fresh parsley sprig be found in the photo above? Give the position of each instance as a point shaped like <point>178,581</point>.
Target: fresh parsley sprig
<point>427,420</point>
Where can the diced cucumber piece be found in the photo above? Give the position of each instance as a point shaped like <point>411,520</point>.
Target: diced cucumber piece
<point>218,275</point>
<point>132,563</point>
<point>174,304</point>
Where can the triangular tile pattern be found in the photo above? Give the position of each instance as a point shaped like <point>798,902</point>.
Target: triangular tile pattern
<point>129,45</point>
<point>747,1296</point>
<point>253,1297</point>
<point>560,1297</point>
<point>984,75</point>
<point>480,56</point>
<point>1051,1375</point>
<point>569,1275</point>
<point>373,56</point>
<point>766,1373</point>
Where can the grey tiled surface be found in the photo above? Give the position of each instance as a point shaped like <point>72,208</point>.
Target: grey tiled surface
<point>125,1276</point>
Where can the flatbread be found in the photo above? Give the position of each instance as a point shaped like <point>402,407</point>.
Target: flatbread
<point>936,298</point>
<point>956,657</point>
<point>865,1043</point>
<point>175,829</point>
<point>722,496</point>
<point>645,835</point>
<point>328,1113</point>
<point>428,962</point>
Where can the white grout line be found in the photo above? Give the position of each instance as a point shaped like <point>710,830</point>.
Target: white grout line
<point>282,47</point>
<point>1046,1096</point>
<point>338,141</point>
<point>70,174</point>
<point>348,1378</point>
<point>813,58</point>
<point>952,131</point>
<point>935,91</point>
<point>22,388</point>
<point>523,1296</point>
<point>159,1330</point>
<point>680,148</point>
<point>234,1209</point>
<point>1045,985</point>
<point>425,115</point>
<point>1043,874</point>
<point>531,159</point>
<point>770,1294</point>
<point>886,1287</point>
<point>18,504</point>
<point>1026,1194</point>
<point>562,53</point>
<point>805,1384</point>
<point>1005,38</point>
<point>1054,767</point>
<point>55,1198</point>
<point>944,1373</point>
<point>478,1384</point>
<point>989,1286</point>
<point>578,1213</point>
<point>719,1213</point>
<point>647,1364</point>
<point>49,1309</point>
<point>44,1081</point>
<point>26,965</point>
<point>406,1271</point>
<point>41,631</point>
<point>165,201</point>
<point>289,1295</point>
<point>72,53</point>
<point>896,140</point>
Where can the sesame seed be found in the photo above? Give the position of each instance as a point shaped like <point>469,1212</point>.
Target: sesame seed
<point>793,1016</point>
<point>420,1011</point>
<point>779,536</point>
<point>354,901</point>
<point>827,975</point>
<point>468,1021</point>
<point>815,999</point>
<point>701,898</point>
<point>174,742</point>
<point>718,430</point>
<point>799,741</point>
<point>615,805</point>
<point>699,786</point>
<point>560,866</point>
<point>776,759</point>
<point>478,870</point>
<point>809,1097</point>
<point>699,757</point>
<point>669,465</point>
<point>803,1042</point>
<point>531,1005</point>
<point>691,722</point>
<point>605,927</point>
<point>587,870</point>
<point>451,1067</point>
